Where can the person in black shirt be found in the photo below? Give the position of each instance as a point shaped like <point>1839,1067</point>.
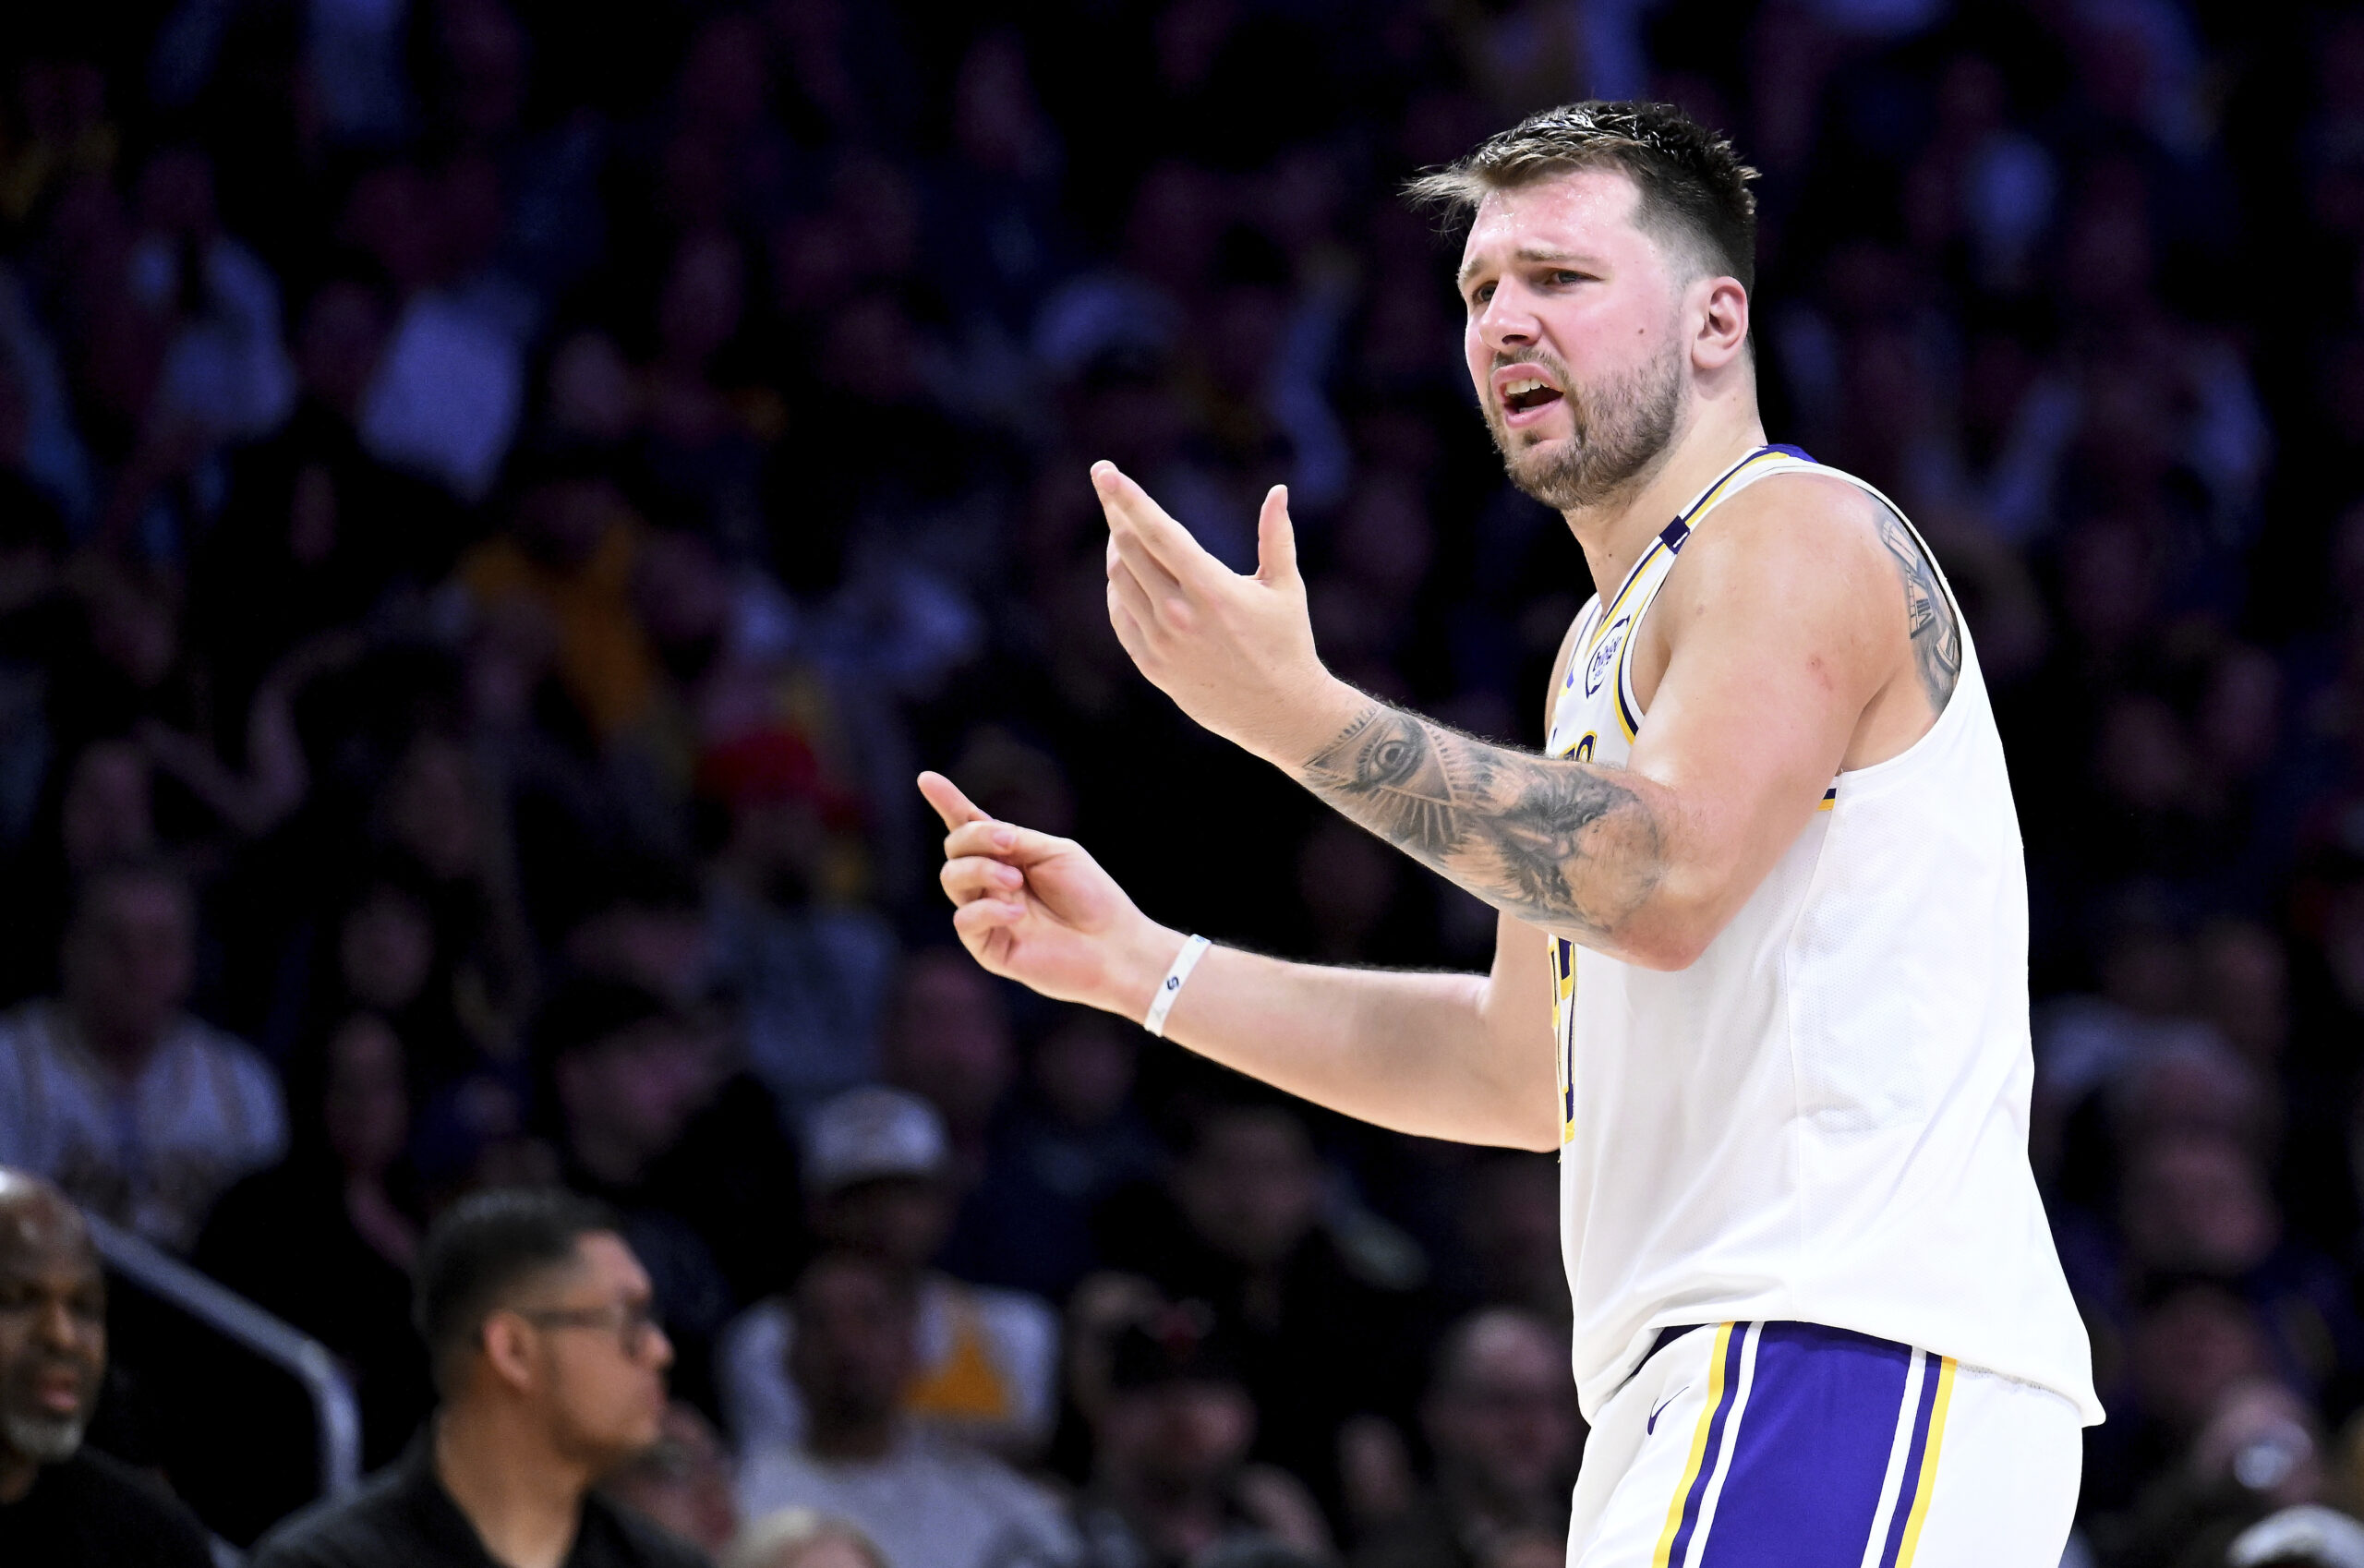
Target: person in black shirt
<point>541,1331</point>
<point>61,1504</point>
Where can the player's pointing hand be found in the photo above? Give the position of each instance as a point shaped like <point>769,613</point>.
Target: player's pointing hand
<point>1039,909</point>
<point>1235,653</point>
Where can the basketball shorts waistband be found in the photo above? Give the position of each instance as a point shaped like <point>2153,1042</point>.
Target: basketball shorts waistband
<point>1823,1440</point>
<point>1798,1445</point>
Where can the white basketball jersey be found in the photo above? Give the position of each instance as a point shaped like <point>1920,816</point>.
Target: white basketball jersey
<point>1825,1117</point>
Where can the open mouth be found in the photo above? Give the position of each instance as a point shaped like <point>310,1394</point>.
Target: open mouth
<point>1520,396</point>
<point>58,1394</point>
<point>1522,390</point>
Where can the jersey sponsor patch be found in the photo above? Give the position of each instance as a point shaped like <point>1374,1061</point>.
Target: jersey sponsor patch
<point>1604,653</point>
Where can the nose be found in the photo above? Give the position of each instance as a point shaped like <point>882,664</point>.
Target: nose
<point>58,1329</point>
<point>658,1349</point>
<point>1506,321</point>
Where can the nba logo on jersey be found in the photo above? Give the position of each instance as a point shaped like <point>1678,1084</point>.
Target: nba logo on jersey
<point>1604,654</point>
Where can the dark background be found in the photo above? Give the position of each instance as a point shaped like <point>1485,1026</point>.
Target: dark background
<point>551,472</point>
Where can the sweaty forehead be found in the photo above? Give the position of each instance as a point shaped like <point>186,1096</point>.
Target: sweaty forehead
<point>1582,214</point>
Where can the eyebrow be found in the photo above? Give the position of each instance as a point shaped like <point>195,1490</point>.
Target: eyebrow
<point>1524,253</point>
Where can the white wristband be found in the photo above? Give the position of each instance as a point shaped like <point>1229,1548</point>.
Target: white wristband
<point>1171,986</point>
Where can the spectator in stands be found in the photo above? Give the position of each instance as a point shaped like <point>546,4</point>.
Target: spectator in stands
<point>314,531</point>
<point>1501,1418</point>
<point>569,556</point>
<point>928,1500</point>
<point>1510,1232</point>
<point>814,970</point>
<point>226,371</point>
<point>112,1090</point>
<point>626,1073</point>
<point>2185,1354</point>
<point>345,1200</point>
<point>447,392</point>
<point>542,1331</point>
<point>104,810</point>
<point>731,1173</point>
<point>1171,1482</point>
<point>386,959</point>
<point>2197,1204</point>
<point>2307,1536</point>
<point>947,1041</point>
<point>2259,1451</point>
<point>1072,1138</point>
<point>877,1166</point>
<point>798,1538</point>
<point>682,1483</point>
<point>62,1503</point>
<point>1320,1330</point>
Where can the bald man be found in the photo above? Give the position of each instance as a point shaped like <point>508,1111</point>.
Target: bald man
<point>62,1504</point>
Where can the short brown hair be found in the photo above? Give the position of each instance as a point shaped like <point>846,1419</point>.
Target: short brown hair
<point>1693,187</point>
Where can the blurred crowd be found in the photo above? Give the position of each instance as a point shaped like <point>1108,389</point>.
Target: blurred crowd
<point>498,498</point>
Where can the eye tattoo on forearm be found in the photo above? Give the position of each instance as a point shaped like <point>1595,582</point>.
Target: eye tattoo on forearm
<point>1563,845</point>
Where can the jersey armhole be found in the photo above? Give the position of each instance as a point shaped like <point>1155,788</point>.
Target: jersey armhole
<point>1563,668</point>
<point>1629,706</point>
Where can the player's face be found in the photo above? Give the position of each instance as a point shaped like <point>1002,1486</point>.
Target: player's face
<point>1573,338</point>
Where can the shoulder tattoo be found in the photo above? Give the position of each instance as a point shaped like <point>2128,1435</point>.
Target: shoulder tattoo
<point>1929,615</point>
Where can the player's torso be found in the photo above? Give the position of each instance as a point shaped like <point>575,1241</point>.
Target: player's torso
<point>1597,711</point>
<point>1824,1117</point>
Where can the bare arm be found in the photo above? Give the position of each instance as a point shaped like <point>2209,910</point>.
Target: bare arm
<point>1566,845</point>
<point>1459,1057</point>
<point>1466,1057</point>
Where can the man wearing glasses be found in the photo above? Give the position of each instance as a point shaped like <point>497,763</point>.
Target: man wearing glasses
<point>540,1327</point>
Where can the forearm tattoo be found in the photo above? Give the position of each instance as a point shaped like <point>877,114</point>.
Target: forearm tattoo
<point>1563,845</point>
<point>1929,616</point>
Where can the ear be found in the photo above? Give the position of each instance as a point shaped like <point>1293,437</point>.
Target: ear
<point>1722,336</point>
<point>509,1345</point>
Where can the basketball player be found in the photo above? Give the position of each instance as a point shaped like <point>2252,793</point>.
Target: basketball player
<point>1764,890</point>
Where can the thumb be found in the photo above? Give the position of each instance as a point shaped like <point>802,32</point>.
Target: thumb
<point>1275,539</point>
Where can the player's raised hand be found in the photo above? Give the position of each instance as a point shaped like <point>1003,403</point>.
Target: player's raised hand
<point>1040,909</point>
<point>1235,653</point>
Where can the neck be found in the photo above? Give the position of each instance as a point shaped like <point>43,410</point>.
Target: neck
<point>1484,1505</point>
<point>838,1436</point>
<point>1718,433</point>
<point>525,1499</point>
<point>16,1475</point>
<point>124,1052</point>
<point>1178,1516</point>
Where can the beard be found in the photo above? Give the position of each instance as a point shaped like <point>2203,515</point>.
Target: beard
<point>45,1440</point>
<point>1618,430</point>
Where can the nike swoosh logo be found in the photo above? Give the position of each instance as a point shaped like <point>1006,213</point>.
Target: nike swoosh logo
<point>1652,1425</point>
